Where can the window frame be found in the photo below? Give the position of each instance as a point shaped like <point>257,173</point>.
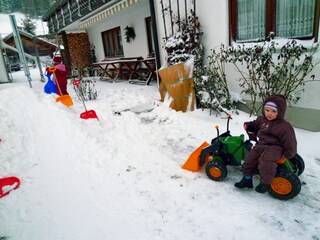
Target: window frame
<point>271,22</point>
<point>112,37</point>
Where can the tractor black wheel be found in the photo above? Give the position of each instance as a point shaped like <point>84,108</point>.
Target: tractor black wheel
<point>298,164</point>
<point>286,185</point>
<point>216,171</point>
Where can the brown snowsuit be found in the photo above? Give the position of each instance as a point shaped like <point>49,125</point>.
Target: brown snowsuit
<point>275,138</point>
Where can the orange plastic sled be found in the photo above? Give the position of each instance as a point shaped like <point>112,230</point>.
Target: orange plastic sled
<point>65,100</point>
<point>192,163</point>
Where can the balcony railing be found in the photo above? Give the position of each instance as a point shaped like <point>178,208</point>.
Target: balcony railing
<point>69,11</point>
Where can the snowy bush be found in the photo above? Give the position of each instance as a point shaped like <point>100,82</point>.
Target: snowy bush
<point>181,45</point>
<point>265,70</point>
<point>86,89</point>
<point>209,82</point>
<point>212,89</point>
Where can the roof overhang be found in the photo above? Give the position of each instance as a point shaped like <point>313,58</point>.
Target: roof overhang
<point>116,8</point>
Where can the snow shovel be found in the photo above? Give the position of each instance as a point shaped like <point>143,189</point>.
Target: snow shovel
<point>88,113</point>
<point>192,163</point>
<point>64,99</point>
<point>8,184</point>
<point>50,87</point>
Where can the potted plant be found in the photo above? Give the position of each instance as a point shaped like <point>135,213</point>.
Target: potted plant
<point>129,34</point>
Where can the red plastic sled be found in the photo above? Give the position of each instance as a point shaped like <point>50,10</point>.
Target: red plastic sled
<point>8,184</point>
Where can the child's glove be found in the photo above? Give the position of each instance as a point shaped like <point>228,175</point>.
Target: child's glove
<point>252,134</point>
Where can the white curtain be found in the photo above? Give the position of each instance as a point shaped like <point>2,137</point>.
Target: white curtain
<point>251,19</point>
<point>295,18</point>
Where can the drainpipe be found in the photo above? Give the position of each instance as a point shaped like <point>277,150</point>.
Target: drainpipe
<point>155,34</point>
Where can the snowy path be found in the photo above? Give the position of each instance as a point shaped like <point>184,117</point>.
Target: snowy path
<point>120,178</point>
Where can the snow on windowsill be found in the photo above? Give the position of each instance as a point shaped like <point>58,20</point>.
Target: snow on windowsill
<point>310,44</point>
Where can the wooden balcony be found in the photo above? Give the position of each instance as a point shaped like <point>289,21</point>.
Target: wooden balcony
<point>66,12</point>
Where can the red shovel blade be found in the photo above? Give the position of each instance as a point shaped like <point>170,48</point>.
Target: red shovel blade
<point>89,114</point>
<point>76,82</point>
<point>8,184</point>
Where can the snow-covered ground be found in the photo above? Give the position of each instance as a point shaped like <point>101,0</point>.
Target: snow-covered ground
<point>121,177</point>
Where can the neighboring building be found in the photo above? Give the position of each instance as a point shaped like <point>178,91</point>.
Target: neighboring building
<point>31,44</point>
<point>230,22</point>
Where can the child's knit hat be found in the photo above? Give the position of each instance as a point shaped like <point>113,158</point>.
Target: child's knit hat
<point>272,105</point>
<point>57,59</point>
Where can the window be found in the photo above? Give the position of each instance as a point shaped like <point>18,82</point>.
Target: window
<point>112,43</point>
<point>149,36</point>
<point>253,20</point>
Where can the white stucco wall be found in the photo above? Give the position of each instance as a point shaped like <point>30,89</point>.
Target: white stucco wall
<point>133,16</point>
<point>214,21</point>
<point>214,18</point>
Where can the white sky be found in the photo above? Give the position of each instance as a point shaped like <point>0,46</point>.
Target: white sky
<point>121,177</point>
<point>5,25</point>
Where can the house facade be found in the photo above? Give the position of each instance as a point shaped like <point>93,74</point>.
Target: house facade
<point>228,22</point>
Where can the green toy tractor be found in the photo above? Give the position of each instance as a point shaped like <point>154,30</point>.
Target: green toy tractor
<point>231,150</point>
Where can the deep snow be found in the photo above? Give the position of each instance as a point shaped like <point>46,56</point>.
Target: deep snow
<point>121,177</point>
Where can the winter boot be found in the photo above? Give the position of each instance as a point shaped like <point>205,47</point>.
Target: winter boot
<point>244,183</point>
<point>262,188</point>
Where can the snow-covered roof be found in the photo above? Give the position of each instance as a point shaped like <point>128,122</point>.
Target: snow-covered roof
<point>29,35</point>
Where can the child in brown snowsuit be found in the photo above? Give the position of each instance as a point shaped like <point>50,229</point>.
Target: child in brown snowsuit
<point>276,138</point>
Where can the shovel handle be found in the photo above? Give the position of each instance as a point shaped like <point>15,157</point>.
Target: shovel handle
<point>76,83</point>
<point>56,80</point>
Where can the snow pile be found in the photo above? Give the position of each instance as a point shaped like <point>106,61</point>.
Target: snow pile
<point>121,177</point>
